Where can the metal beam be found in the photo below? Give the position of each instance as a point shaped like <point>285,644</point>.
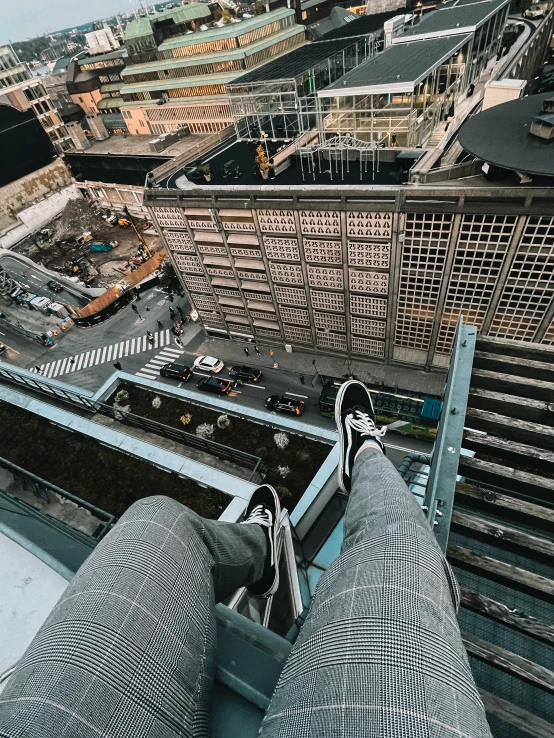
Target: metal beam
<point>439,495</point>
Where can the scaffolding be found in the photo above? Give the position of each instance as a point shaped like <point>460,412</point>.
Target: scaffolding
<point>341,150</point>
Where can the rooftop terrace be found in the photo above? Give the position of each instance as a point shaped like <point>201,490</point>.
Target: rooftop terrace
<point>452,20</point>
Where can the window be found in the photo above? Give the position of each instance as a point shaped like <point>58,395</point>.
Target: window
<point>141,122</point>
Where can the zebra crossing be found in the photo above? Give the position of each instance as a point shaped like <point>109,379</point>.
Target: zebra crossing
<point>102,355</point>
<point>152,369</point>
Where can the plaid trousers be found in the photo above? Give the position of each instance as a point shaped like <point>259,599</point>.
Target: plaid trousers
<point>129,649</point>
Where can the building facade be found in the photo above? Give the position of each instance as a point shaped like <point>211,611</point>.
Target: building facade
<point>32,94</point>
<point>12,70</point>
<point>375,273</point>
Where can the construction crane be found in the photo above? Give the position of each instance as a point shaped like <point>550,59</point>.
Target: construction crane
<point>139,235</point>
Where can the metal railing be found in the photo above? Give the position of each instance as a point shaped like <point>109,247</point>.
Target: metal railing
<point>43,490</point>
<point>59,390</point>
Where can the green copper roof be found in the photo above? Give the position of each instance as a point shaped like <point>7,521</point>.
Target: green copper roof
<point>172,84</point>
<point>221,56</point>
<point>143,26</point>
<point>230,31</point>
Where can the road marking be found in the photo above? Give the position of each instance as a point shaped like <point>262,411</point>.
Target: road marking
<point>126,348</point>
<point>200,374</point>
<point>85,362</point>
<point>292,394</point>
<point>64,362</point>
<point>103,359</point>
<point>258,386</point>
<point>80,361</point>
<point>133,345</point>
<point>97,357</point>
<point>56,368</point>
<point>144,376</point>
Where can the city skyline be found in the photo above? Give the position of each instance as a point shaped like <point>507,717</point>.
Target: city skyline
<point>26,19</point>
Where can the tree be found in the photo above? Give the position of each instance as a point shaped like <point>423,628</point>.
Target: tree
<point>170,279</point>
<point>226,16</point>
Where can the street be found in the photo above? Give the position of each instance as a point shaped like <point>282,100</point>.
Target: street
<point>86,357</point>
<point>34,279</point>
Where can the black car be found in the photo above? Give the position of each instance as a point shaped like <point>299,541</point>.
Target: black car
<point>176,371</point>
<point>213,384</point>
<point>245,373</point>
<point>54,286</point>
<point>282,404</point>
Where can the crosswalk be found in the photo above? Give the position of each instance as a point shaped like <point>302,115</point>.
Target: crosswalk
<point>102,355</point>
<point>152,369</point>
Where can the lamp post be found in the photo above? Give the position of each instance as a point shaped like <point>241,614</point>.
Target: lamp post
<point>265,136</point>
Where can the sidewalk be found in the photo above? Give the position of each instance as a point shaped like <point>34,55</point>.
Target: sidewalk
<point>301,362</point>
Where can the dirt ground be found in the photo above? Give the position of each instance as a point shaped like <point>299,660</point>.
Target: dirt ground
<point>77,217</point>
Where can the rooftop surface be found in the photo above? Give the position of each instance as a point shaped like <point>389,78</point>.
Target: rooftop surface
<point>363,25</point>
<point>138,146</point>
<point>296,62</point>
<point>116,54</point>
<point>452,20</point>
<point>398,68</point>
<point>182,14</point>
<point>500,136</point>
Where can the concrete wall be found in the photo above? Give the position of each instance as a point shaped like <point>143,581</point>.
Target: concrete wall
<point>115,196</point>
<point>27,191</point>
<point>88,101</point>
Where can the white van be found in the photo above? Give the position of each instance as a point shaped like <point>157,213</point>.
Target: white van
<point>57,309</point>
<point>41,304</point>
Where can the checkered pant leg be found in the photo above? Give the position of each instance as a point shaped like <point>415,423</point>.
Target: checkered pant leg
<point>380,654</point>
<point>128,651</point>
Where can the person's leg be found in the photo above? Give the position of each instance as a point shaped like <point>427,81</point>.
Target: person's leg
<point>128,651</point>
<point>380,654</point>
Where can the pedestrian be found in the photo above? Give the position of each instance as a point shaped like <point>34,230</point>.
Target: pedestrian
<point>38,370</point>
<point>72,361</point>
<point>118,366</point>
<point>174,331</point>
<point>148,335</point>
<point>160,324</point>
<point>178,341</point>
<point>246,351</point>
<point>151,340</point>
<point>172,313</point>
<point>181,311</point>
<point>257,350</point>
<point>302,379</point>
<point>271,352</point>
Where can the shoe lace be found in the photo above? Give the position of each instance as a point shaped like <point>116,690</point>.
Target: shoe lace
<point>259,515</point>
<point>363,423</point>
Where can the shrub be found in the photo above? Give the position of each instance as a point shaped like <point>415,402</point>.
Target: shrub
<point>122,397</point>
<point>156,402</point>
<point>281,440</point>
<point>224,422</point>
<point>303,455</point>
<point>283,491</point>
<point>261,451</point>
<point>284,471</point>
<point>205,430</point>
<point>185,419</point>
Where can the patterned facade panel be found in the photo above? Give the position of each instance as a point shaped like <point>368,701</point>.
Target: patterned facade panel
<point>294,315</point>
<point>268,333</point>
<point>327,300</point>
<point>197,283</point>
<point>299,335</point>
<point>549,335</point>
<point>170,217</point>
<point>326,277</point>
<point>287,273</point>
<point>205,225</point>
<point>333,321</point>
<point>188,263</point>
<point>285,249</point>
<point>179,240</point>
<point>367,327</point>
<point>257,296</point>
<point>367,346</point>
<point>331,340</point>
<point>368,281</point>
<point>426,240</point>
<point>204,302</point>
<point>369,254</point>
<point>234,310</point>
<point>248,253</point>
<point>256,276</point>
<point>478,259</point>
<point>529,288</point>
<point>323,252</point>
<point>371,306</point>
<point>276,221</point>
<point>369,225</point>
<point>238,225</point>
<point>320,222</point>
<point>206,248</point>
<point>290,296</point>
<point>218,272</point>
<point>228,293</point>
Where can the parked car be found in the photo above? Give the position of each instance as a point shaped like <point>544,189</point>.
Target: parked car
<point>535,11</point>
<point>245,373</point>
<point>176,371</point>
<point>283,404</point>
<point>208,364</point>
<point>54,286</point>
<point>213,384</point>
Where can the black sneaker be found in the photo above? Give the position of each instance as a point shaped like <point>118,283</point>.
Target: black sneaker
<point>355,419</point>
<point>264,509</point>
